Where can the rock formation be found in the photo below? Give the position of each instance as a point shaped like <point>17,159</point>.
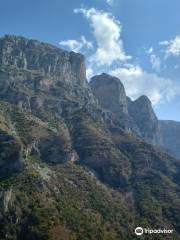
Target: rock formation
<point>142,112</point>
<point>111,95</point>
<point>136,116</point>
<point>36,56</point>
<point>70,168</point>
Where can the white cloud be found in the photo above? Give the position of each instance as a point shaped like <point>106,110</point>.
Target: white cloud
<point>139,82</point>
<point>107,32</point>
<point>150,50</point>
<point>108,49</point>
<point>164,43</point>
<point>155,62</point>
<point>172,47</point>
<point>75,45</point>
<point>154,59</point>
<point>89,72</point>
<point>110,2</point>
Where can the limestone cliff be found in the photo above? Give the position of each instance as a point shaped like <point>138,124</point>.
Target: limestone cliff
<point>111,95</point>
<point>143,114</point>
<point>36,56</point>
<point>138,116</point>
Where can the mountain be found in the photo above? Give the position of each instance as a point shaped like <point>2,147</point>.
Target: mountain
<point>68,169</point>
<point>143,114</point>
<point>111,95</point>
<point>136,116</point>
<point>170,131</point>
<point>33,55</point>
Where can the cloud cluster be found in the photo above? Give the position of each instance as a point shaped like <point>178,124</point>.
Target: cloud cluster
<point>75,45</point>
<point>139,82</point>
<point>108,55</point>
<point>107,33</point>
<point>172,46</point>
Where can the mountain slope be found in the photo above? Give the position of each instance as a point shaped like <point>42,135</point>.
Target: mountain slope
<point>68,170</point>
<point>170,131</point>
<point>135,116</point>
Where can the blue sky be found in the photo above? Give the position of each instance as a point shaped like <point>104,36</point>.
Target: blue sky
<point>135,40</point>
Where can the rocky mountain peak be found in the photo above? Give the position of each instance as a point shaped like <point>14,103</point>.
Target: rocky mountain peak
<point>42,57</point>
<point>144,100</point>
<point>142,106</point>
<point>135,116</point>
<point>142,112</point>
<point>110,92</point>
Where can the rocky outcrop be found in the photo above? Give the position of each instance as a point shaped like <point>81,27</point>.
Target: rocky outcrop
<point>36,56</point>
<point>6,199</point>
<point>137,117</point>
<point>165,134</point>
<point>110,92</point>
<point>111,95</point>
<point>10,155</point>
<point>143,114</point>
<point>36,76</point>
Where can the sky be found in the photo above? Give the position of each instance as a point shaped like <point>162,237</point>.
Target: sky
<point>135,40</point>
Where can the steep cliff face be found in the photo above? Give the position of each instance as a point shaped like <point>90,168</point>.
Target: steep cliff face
<point>37,76</point>
<point>110,92</point>
<point>143,114</point>
<point>111,95</point>
<point>136,116</point>
<point>170,131</point>
<point>33,55</point>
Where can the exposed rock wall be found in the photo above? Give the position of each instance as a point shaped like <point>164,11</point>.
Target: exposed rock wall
<point>143,114</point>
<point>111,95</point>
<point>34,55</point>
<point>136,116</point>
<point>110,92</point>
